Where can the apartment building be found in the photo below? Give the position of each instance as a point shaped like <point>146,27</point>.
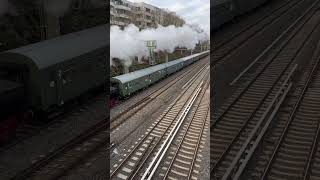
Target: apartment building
<point>143,15</point>
<point>171,18</point>
<point>120,12</point>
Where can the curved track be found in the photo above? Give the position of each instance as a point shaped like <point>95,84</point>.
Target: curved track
<point>58,163</point>
<point>182,159</point>
<point>291,148</point>
<point>226,48</point>
<point>133,109</point>
<point>157,135</point>
<point>232,127</point>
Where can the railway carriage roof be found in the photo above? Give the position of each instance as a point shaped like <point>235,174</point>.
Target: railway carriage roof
<point>124,78</point>
<point>54,51</point>
<point>170,63</point>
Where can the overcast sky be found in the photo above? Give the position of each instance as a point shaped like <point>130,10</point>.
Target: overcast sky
<point>193,11</point>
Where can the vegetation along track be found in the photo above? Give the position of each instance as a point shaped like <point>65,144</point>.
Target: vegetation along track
<point>231,128</point>
<point>226,48</point>
<point>159,135</point>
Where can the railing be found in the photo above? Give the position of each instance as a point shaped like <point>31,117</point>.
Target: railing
<point>122,7</point>
<point>123,16</point>
<point>113,22</point>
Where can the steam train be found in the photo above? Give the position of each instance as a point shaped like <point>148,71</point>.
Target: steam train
<point>123,86</point>
<point>225,10</point>
<point>43,76</point>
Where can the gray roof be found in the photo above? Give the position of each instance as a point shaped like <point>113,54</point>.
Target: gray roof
<point>124,78</point>
<point>139,73</point>
<point>174,62</point>
<point>56,50</point>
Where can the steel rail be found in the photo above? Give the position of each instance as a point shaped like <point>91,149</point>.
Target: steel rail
<point>146,100</point>
<point>269,62</point>
<point>311,155</point>
<point>138,145</point>
<point>238,163</point>
<point>102,125</point>
<point>197,147</point>
<point>254,79</point>
<point>163,149</point>
<point>87,134</point>
<point>141,165</point>
<point>276,19</point>
<point>293,112</point>
<point>196,75</point>
<point>249,26</point>
<point>268,48</point>
<point>185,133</point>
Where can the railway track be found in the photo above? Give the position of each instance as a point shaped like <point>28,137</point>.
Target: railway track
<point>290,149</point>
<point>133,114</point>
<point>62,160</point>
<point>133,109</point>
<point>291,157</point>
<point>238,40</point>
<point>240,115</point>
<point>182,160</point>
<point>159,135</point>
<point>226,34</point>
<point>58,163</point>
<point>33,128</point>
<point>254,31</point>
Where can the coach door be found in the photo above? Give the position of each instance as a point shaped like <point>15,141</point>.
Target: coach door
<point>59,87</point>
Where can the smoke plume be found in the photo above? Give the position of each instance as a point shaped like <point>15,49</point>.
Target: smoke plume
<point>130,42</point>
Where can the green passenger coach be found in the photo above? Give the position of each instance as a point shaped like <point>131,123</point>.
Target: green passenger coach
<point>60,69</point>
<point>132,82</point>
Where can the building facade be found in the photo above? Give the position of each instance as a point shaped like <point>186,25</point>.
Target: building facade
<point>120,12</point>
<point>143,15</point>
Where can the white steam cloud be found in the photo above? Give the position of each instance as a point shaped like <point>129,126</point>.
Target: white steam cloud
<point>130,42</point>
